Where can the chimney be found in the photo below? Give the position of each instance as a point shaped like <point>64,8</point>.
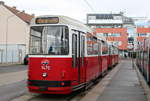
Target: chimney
<point>2,3</point>
<point>14,7</point>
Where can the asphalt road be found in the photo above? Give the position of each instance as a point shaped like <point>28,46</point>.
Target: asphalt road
<point>11,91</point>
<point>12,68</point>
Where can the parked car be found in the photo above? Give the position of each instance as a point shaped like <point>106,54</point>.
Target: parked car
<point>26,60</point>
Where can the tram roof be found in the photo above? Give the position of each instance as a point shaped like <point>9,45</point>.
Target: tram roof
<point>64,20</point>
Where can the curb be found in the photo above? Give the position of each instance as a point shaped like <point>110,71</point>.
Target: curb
<point>143,83</point>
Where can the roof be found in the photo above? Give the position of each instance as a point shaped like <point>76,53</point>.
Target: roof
<point>64,20</point>
<point>22,15</point>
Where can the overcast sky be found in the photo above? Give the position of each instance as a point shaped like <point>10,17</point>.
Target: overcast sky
<point>78,8</point>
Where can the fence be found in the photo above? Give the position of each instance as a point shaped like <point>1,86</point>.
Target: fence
<point>15,53</point>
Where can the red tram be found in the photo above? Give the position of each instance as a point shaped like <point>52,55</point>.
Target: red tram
<point>143,59</point>
<point>113,58</point>
<point>65,55</point>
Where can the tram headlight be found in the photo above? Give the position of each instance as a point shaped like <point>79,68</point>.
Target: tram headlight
<point>44,74</point>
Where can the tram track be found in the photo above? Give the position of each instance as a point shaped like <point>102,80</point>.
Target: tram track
<point>46,97</point>
<point>74,96</point>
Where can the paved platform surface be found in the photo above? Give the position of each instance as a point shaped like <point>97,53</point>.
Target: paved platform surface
<point>124,86</point>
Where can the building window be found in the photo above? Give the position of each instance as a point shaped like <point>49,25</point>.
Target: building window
<point>117,26</point>
<point>117,43</point>
<point>99,35</point>
<point>142,34</point>
<point>105,34</point>
<point>117,18</point>
<point>104,16</point>
<point>131,40</point>
<point>112,34</point>
<point>115,34</point>
<point>91,17</point>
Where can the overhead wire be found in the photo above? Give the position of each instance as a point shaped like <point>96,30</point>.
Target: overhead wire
<point>89,5</point>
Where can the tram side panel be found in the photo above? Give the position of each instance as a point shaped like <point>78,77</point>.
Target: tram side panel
<point>110,62</point>
<point>143,59</point>
<point>146,60</point>
<point>92,69</point>
<point>93,59</point>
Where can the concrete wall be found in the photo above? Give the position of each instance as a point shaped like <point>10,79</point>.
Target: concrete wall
<point>15,53</point>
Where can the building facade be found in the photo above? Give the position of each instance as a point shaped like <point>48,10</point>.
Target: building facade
<point>14,34</point>
<point>142,34</point>
<point>114,27</point>
<point>116,36</point>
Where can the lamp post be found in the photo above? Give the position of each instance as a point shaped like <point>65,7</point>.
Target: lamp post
<point>7,33</point>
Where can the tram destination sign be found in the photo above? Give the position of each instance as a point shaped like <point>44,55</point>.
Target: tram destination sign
<point>47,20</point>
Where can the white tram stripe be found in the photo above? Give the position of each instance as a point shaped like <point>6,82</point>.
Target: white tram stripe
<point>50,56</point>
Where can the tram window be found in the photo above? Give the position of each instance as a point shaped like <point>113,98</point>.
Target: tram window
<point>57,41</point>
<point>104,48</point>
<point>92,46</point>
<point>74,50</point>
<point>36,41</point>
<point>145,56</point>
<point>115,50</point>
<point>95,46</point>
<point>82,48</point>
<point>149,57</point>
<point>89,45</point>
<point>53,40</point>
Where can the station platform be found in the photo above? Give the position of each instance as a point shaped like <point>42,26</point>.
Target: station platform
<point>122,84</point>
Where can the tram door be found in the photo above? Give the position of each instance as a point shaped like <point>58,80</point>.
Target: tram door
<point>82,59</point>
<point>78,54</point>
<point>99,57</point>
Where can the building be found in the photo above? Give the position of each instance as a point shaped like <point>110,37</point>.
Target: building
<point>142,30</point>
<point>116,36</point>
<point>14,34</point>
<point>105,20</point>
<point>112,26</point>
<point>141,35</point>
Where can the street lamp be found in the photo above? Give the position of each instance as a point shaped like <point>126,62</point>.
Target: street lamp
<point>7,32</point>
